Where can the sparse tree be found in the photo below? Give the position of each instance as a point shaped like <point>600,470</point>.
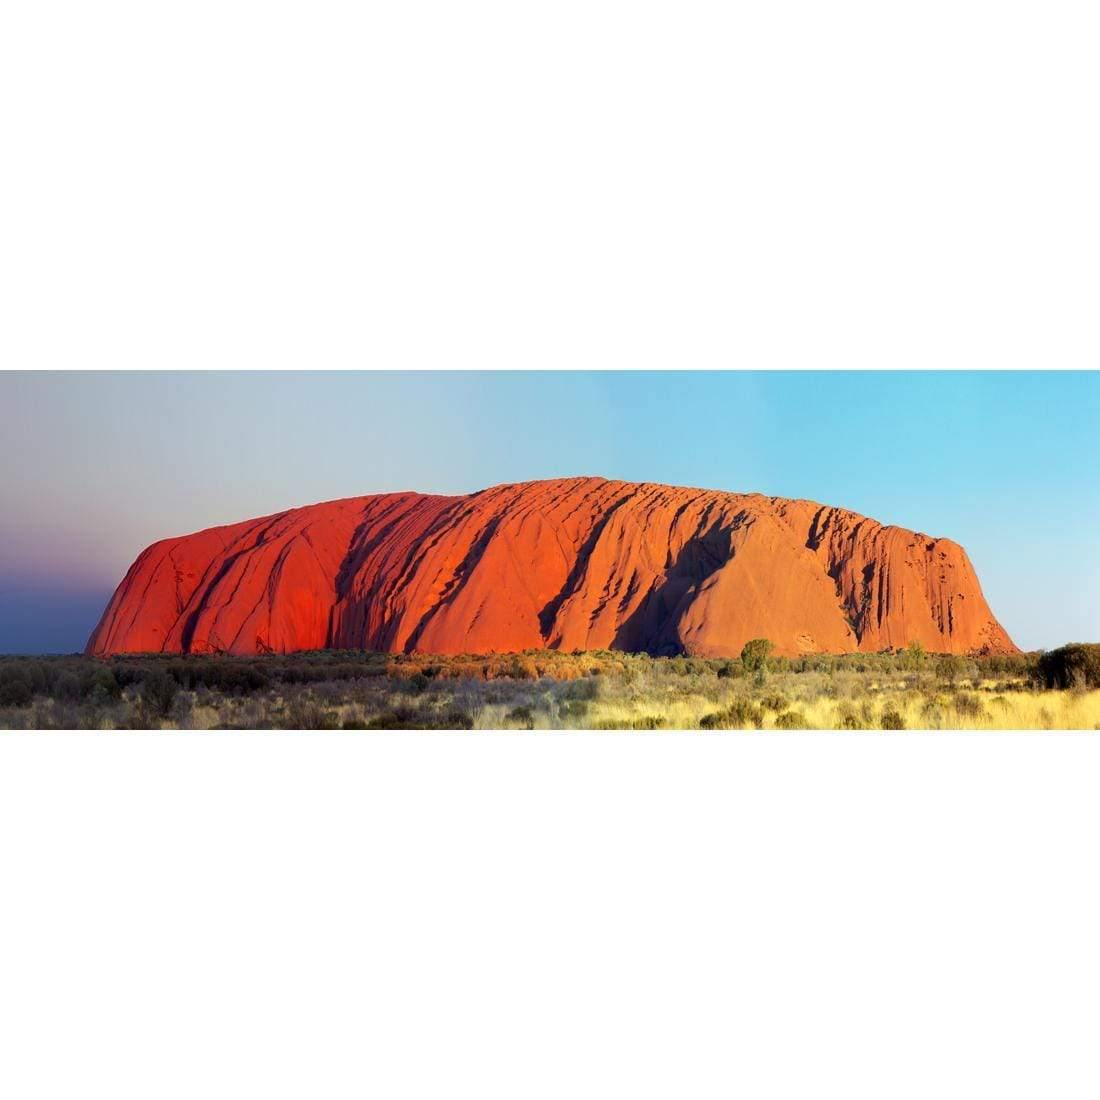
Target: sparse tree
<point>754,655</point>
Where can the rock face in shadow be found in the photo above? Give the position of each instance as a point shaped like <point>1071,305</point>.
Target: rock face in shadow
<point>582,563</point>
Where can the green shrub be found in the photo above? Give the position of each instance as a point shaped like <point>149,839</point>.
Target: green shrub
<point>791,720</point>
<point>949,668</point>
<point>754,655</point>
<point>68,687</point>
<point>582,691</point>
<point>847,718</point>
<point>38,675</point>
<point>740,714</point>
<point>522,668</point>
<point>968,705</point>
<point>15,688</point>
<point>1072,666</point>
<point>522,714</point>
<point>104,688</point>
<point>183,705</point>
<point>932,712</point>
<point>892,720</point>
<point>913,657</point>
<point>158,693</point>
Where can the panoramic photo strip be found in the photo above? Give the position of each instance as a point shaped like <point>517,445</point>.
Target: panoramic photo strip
<point>621,551</point>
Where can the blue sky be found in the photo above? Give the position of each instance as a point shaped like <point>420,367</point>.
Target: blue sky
<point>98,465</point>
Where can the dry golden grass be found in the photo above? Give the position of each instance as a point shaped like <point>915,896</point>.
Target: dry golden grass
<point>1016,710</point>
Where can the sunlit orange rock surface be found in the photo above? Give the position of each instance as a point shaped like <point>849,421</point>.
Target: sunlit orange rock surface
<point>582,563</point>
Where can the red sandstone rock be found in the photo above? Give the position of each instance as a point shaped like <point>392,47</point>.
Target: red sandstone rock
<point>582,563</point>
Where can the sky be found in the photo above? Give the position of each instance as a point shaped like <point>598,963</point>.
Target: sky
<point>97,465</point>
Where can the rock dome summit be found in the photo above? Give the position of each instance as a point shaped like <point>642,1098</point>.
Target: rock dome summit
<point>575,564</point>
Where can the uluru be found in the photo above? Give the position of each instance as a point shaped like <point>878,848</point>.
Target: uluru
<point>575,564</point>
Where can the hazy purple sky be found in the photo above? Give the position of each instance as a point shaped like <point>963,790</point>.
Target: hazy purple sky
<point>98,465</point>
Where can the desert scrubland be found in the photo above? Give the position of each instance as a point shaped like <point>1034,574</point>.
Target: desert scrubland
<point>334,690</point>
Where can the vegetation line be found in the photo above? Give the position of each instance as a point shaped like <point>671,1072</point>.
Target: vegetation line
<point>547,689</point>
